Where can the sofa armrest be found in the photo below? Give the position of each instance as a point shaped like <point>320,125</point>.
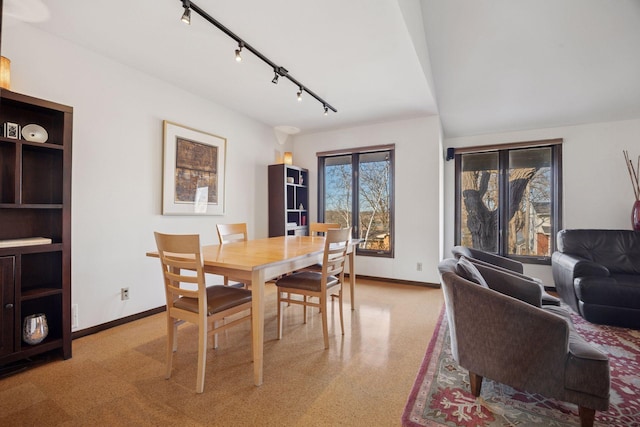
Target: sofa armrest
<point>565,268</point>
<point>579,267</point>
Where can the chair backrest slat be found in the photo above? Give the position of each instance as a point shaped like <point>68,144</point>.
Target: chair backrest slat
<point>318,228</point>
<point>335,251</point>
<point>228,233</point>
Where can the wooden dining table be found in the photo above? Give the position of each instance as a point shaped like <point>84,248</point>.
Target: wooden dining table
<point>260,260</point>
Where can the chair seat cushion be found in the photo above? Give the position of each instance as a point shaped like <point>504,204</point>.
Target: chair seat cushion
<point>586,368</point>
<point>583,358</point>
<point>314,267</point>
<point>561,311</point>
<point>219,298</point>
<point>306,280</point>
<point>237,285</point>
<point>548,299</point>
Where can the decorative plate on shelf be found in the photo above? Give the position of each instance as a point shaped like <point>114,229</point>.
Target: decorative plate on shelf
<point>34,133</point>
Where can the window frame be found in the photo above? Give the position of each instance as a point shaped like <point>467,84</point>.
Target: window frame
<point>503,174</point>
<point>355,211</point>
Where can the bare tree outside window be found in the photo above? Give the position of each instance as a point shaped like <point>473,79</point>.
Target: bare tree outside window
<point>374,192</point>
<point>529,207</point>
<point>480,197</point>
<point>338,195</point>
<point>357,192</point>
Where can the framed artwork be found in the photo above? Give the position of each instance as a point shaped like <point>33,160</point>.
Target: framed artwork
<point>193,172</point>
<point>12,130</point>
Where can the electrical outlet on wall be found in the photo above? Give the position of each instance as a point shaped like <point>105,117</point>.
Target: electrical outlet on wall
<point>419,266</point>
<point>124,294</point>
<point>74,316</point>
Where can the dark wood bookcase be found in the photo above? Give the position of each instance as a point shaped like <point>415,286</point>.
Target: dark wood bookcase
<point>35,201</point>
<point>288,200</point>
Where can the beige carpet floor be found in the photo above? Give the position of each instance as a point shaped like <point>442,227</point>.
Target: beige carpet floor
<point>116,377</point>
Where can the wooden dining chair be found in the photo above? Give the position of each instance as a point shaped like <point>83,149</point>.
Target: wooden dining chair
<point>318,284</point>
<point>229,233</point>
<point>190,300</point>
<point>319,229</point>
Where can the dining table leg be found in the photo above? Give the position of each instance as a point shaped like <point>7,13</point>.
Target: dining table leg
<point>257,326</point>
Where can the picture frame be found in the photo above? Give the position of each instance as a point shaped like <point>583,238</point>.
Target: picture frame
<point>11,130</point>
<point>194,164</point>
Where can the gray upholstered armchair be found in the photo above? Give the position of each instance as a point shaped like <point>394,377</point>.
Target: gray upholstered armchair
<point>500,331</point>
<point>500,261</point>
<point>503,264</point>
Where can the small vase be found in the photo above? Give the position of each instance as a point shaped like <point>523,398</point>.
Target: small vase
<point>35,329</point>
<point>635,216</point>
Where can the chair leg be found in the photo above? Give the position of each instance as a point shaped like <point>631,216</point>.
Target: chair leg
<point>325,327</point>
<point>340,306</point>
<point>215,336</point>
<point>171,344</point>
<point>251,333</point>
<point>175,336</point>
<point>279,315</point>
<point>202,356</point>
<point>587,416</point>
<point>304,309</point>
<point>476,383</point>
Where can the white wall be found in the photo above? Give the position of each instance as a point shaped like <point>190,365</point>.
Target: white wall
<point>117,173</point>
<point>117,167</point>
<point>417,158</point>
<point>597,192</point>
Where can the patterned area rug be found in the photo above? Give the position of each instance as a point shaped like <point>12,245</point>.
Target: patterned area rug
<point>441,394</point>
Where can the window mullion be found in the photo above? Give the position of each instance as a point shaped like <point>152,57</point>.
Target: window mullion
<point>355,200</point>
<point>321,189</point>
<point>503,191</point>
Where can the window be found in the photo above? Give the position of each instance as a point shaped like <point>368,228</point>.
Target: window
<point>356,190</point>
<point>508,199</point>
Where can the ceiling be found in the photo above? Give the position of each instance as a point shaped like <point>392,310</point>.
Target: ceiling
<point>501,65</point>
<point>484,66</point>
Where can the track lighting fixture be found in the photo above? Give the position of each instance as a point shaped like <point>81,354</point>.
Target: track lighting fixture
<point>278,70</point>
<point>326,111</point>
<point>186,16</point>
<point>238,50</point>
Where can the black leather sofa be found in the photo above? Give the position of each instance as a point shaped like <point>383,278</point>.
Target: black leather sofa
<point>597,273</point>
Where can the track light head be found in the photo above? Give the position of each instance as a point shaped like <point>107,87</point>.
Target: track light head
<point>300,94</point>
<point>238,50</point>
<point>275,78</point>
<point>186,15</point>
<point>326,110</point>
